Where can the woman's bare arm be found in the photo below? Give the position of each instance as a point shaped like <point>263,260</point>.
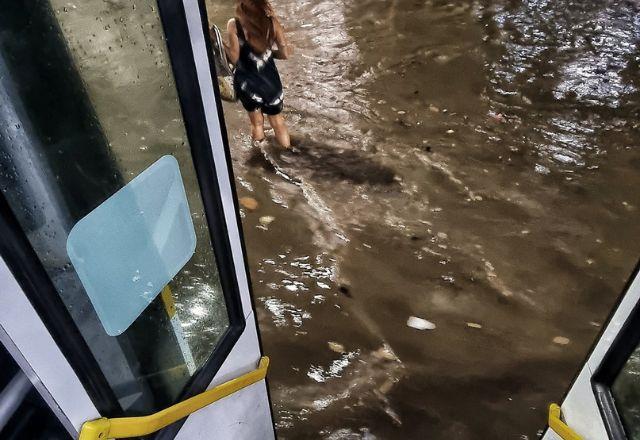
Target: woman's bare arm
<point>233,48</point>
<point>284,51</point>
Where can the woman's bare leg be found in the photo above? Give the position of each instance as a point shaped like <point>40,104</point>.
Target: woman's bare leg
<point>257,125</point>
<point>280,127</point>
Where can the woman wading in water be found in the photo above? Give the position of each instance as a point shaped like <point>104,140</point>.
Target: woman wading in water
<point>252,35</point>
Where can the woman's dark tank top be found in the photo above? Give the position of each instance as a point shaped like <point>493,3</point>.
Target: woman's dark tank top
<point>256,78</point>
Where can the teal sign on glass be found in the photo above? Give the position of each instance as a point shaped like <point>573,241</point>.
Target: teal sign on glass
<point>128,249</point>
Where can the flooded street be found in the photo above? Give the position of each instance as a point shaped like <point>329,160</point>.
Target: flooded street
<point>472,164</point>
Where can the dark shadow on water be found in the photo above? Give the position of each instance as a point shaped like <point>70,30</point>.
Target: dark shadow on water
<point>258,159</point>
<point>320,161</point>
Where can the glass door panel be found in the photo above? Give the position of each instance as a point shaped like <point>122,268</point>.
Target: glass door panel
<point>626,395</point>
<point>87,104</point>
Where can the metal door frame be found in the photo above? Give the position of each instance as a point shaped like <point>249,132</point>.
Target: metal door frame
<point>207,136</point>
<point>587,404</point>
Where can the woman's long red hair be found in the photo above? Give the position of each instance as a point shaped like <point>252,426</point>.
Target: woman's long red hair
<point>256,18</point>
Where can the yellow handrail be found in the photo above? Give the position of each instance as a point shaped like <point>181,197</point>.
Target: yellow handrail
<point>558,426</point>
<point>102,429</point>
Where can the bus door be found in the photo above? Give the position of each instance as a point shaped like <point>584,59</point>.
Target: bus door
<point>604,399</point>
<point>125,295</point>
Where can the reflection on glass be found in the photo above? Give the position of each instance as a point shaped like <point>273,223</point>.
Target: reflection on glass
<point>626,394</point>
<point>87,103</point>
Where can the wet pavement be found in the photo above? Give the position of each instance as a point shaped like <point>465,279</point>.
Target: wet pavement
<point>472,164</point>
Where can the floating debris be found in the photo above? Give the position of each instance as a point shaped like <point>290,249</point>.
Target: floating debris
<point>266,220</point>
<point>434,109</point>
<point>336,346</point>
<point>385,352</point>
<point>420,324</point>
<point>474,325</point>
<point>561,340</point>
<point>249,203</point>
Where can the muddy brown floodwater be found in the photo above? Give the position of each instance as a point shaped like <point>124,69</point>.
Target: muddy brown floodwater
<point>474,164</point>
